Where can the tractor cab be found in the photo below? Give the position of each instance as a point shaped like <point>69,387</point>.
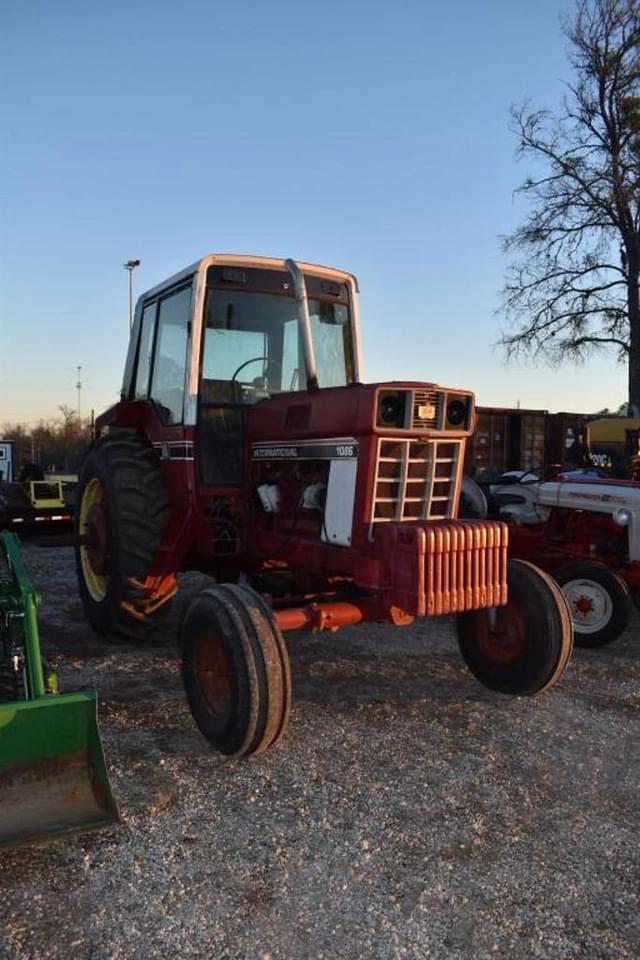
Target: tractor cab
<point>266,332</point>
<point>234,331</point>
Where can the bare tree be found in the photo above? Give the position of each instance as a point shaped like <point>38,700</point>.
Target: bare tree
<point>57,444</point>
<point>572,285</point>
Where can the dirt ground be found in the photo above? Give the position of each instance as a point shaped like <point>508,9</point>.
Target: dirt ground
<point>407,813</point>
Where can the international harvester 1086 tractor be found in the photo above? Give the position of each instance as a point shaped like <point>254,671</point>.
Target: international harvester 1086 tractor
<point>245,445</point>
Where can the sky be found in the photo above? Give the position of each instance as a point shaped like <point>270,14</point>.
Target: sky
<point>371,136</point>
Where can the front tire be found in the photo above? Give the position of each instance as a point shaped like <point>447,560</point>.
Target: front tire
<point>523,647</point>
<point>122,508</point>
<point>235,669</point>
<point>599,601</point>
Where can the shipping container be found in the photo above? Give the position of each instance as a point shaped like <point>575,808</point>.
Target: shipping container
<point>507,439</point>
<point>566,440</point>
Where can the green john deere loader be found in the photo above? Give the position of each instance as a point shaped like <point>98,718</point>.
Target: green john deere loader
<point>53,777</point>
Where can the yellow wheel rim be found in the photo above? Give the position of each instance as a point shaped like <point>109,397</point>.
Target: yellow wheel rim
<point>92,499</point>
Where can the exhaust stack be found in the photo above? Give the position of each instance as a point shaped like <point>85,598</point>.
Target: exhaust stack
<point>304,323</point>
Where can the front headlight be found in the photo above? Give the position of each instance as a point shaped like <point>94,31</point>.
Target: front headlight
<point>622,517</point>
<point>392,409</point>
<point>457,412</point>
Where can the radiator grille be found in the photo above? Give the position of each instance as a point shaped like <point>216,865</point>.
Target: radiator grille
<point>416,480</point>
<point>426,409</point>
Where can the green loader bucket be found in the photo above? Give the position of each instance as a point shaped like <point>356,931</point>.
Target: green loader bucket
<point>53,777</point>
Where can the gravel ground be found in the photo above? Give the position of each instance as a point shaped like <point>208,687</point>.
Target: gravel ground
<point>407,813</point>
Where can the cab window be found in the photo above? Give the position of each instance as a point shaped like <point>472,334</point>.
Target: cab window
<point>170,356</point>
<point>145,351</point>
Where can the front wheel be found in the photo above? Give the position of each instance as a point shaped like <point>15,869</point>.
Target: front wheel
<point>599,602</point>
<point>235,669</point>
<point>523,647</point>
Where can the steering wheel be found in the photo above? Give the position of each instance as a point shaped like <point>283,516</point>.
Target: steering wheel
<point>246,364</point>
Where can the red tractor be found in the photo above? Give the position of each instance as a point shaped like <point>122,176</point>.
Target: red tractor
<point>584,530</point>
<point>246,446</point>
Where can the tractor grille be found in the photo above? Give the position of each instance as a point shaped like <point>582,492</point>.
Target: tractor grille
<point>426,409</point>
<point>416,480</point>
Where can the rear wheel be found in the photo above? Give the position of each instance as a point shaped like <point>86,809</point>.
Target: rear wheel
<point>599,601</point>
<point>523,647</point>
<point>122,508</point>
<point>235,669</point>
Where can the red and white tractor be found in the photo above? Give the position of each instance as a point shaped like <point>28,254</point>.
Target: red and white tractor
<point>585,531</point>
<point>247,446</point>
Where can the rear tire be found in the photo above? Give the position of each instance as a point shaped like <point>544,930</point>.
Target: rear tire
<point>599,602</point>
<point>528,647</point>
<point>123,503</point>
<point>235,669</point>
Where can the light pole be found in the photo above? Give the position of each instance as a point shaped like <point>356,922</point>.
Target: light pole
<point>131,265</point>
<point>79,388</point>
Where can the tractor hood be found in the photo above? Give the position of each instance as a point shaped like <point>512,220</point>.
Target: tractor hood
<point>620,499</point>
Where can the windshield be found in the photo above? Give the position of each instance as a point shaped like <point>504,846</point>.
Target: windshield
<point>252,347</point>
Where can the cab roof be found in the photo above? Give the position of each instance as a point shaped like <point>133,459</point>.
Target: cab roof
<point>247,260</point>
